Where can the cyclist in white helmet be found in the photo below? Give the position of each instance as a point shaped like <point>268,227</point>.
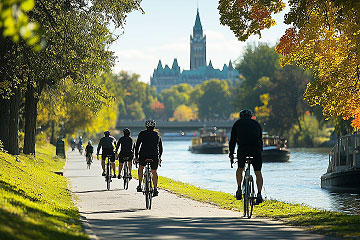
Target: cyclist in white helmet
<point>150,145</point>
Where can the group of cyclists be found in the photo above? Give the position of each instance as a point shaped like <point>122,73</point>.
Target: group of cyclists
<point>246,133</point>
<point>148,146</point>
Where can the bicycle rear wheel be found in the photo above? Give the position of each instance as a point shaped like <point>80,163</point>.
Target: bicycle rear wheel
<point>126,176</point>
<point>150,190</point>
<point>89,161</point>
<point>108,175</point>
<point>147,191</point>
<point>246,197</point>
<point>251,196</point>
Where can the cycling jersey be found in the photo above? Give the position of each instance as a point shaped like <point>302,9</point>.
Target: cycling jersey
<point>126,143</point>
<point>246,133</point>
<point>89,150</point>
<point>106,143</point>
<point>150,143</point>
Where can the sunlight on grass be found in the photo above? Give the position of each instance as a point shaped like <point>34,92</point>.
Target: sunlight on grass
<point>35,203</point>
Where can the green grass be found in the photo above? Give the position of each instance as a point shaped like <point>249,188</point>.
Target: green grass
<point>35,203</point>
<point>326,222</point>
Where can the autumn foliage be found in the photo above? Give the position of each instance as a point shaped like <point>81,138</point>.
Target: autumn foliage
<point>324,37</point>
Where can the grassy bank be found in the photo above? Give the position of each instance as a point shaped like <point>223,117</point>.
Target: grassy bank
<point>34,201</point>
<point>294,214</point>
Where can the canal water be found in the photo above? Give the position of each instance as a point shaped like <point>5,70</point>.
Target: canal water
<point>296,181</point>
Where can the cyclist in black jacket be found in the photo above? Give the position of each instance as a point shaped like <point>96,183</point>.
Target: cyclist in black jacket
<point>89,150</point>
<point>150,146</point>
<point>126,151</point>
<point>107,144</point>
<point>247,133</point>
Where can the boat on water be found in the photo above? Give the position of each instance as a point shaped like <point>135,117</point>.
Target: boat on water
<point>343,173</point>
<point>274,149</point>
<point>210,142</point>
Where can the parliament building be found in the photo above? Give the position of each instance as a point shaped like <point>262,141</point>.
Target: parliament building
<point>166,77</point>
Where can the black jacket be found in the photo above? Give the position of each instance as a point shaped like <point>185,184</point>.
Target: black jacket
<point>246,133</point>
<point>149,143</point>
<point>106,142</point>
<point>126,147</point>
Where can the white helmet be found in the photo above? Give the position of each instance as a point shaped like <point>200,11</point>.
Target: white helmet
<point>150,123</point>
<point>89,142</point>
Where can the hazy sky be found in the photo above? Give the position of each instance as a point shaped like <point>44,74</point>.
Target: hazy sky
<point>163,32</point>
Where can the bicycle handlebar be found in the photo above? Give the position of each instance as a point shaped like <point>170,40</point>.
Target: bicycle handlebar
<point>235,157</point>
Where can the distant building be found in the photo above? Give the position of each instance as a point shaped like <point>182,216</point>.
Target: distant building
<point>166,77</point>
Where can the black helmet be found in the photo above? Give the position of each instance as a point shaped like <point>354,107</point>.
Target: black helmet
<point>150,123</point>
<point>107,133</point>
<point>126,131</point>
<point>246,113</point>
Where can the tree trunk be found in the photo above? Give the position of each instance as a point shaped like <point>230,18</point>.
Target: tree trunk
<point>52,137</point>
<point>14,123</point>
<point>4,121</point>
<point>30,120</point>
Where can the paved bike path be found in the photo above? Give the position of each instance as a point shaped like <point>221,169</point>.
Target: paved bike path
<point>121,213</point>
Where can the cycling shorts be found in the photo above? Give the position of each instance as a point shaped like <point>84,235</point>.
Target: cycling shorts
<point>154,164</point>
<point>252,152</point>
<point>125,158</point>
<point>108,152</point>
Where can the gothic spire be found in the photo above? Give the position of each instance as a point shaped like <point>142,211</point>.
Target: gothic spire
<point>175,64</point>
<point>159,66</point>
<point>197,25</point>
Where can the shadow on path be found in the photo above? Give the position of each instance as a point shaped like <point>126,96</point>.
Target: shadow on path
<point>193,228</point>
<point>100,190</point>
<point>116,211</point>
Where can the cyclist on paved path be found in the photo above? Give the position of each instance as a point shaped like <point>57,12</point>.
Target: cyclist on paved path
<point>150,146</point>
<point>89,150</point>
<point>247,133</point>
<point>126,151</point>
<point>107,144</point>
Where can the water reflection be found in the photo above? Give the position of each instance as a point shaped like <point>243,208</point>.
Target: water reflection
<point>296,181</point>
<point>345,202</point>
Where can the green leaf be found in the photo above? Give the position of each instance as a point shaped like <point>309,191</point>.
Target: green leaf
<point>27,5</point>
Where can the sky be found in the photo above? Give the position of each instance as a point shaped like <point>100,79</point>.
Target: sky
<point>163,33</point>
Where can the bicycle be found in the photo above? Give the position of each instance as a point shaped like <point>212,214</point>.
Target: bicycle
<point>89,161</point>
<point>248,189</point>
<point>108,175</point>
<point>126,173</point>
<point>147,184</point>
<point>81,149</point>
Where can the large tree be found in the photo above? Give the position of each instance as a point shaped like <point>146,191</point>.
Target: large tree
<point>323,37</point>
<point>77,37</point>
<point>257,62</point>
<point>174,97</point>
<point>214,103</point>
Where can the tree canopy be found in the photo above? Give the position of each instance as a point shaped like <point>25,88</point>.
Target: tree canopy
<point>323,37</point>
